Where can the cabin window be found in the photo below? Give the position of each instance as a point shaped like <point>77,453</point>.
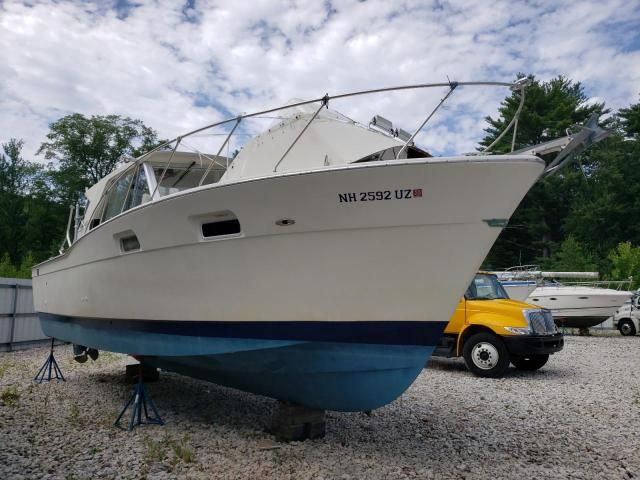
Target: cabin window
<point>117,196</point>
<point>129,243</point>
<point>131,190</point>
<point>139,192</point>
<point>224,227</point>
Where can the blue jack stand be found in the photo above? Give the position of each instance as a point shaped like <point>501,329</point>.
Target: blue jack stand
<point>50,369</point>
<point>140,399</point>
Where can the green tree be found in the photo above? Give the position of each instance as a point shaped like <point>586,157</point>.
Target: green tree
<point>24,271</point>
<point>30,219</point>
<point>630,120</point>
<point>85,149</point>
<point>572,256</point>
<point>537,225</point>
<point>15,178</point>
<point>625,260</point>
<point>606,211</point>
<point>7,269</point>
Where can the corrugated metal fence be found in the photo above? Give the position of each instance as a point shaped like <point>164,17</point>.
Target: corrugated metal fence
<point>19,324</point>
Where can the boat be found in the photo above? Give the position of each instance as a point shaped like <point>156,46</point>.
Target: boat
<point>579,306</point>
<point>318,266</point>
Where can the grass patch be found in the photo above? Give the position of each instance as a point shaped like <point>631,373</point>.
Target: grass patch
<point>4,366</point>
<point>154,451</point>
<point>10,396</point>
<point>158,451</point>
<point>74,415</point>
<point>182,450</point>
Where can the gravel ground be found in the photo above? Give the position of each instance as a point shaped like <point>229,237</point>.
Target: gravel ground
<point>578,417</point>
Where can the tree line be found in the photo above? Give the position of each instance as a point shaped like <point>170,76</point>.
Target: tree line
<point>584,218</point>
<point>35,196</point>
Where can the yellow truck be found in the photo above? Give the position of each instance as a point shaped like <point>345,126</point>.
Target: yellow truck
<point>490,331</point>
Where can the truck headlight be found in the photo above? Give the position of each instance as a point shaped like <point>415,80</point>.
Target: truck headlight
<point>518,330</point>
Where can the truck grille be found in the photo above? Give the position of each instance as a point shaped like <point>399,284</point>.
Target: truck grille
<point>541,322</point>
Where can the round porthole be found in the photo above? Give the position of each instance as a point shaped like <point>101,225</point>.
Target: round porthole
<point>285,222</point>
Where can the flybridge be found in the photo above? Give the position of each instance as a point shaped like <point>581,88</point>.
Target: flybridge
<point>307,113</point>
<point>309,137</point>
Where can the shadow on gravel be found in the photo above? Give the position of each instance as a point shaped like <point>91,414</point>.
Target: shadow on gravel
<point>457,365</point>
<point>184,403</point>
<point>183,399</point>
<point>448,364</point>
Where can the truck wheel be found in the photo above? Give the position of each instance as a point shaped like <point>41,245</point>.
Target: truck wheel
<point>485,355</point>
<point>626,327</point>
<point>530,363</point>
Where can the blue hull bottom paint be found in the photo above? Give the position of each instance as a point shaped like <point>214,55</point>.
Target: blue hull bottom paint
<point>344,366</point>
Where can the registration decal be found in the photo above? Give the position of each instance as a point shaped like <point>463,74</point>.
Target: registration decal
<point>380,195</point>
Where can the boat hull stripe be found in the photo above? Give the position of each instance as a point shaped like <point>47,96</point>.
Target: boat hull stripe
<point>372,332</point>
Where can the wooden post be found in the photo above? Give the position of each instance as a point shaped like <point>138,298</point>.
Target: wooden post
<point>296,422</point>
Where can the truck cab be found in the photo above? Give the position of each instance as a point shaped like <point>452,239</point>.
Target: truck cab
<point>627,317</point>
<point>490,331</point>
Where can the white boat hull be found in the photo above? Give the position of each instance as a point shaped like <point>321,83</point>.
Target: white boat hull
<point>578,306</point>
<point>339,310</point>
<point>401,259</point>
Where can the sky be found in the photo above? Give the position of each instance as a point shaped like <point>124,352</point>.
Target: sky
<point>180,65</point>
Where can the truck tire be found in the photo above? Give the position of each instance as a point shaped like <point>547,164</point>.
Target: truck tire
<point>626,327</point>
<point>530,363</point>
<point>485,355</point>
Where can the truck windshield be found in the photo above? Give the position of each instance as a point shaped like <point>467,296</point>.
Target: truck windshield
<point>485,287</point>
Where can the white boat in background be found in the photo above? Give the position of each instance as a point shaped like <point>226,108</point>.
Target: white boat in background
<point>579,306</point>
<point>319,266</point>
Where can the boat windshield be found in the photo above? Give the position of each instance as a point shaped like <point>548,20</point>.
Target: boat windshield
<point>184,177</point>
<point>485,287</point>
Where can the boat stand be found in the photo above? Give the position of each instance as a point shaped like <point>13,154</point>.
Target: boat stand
<point>140,401</point>
<point>294,422</point>
<point>50,369</point>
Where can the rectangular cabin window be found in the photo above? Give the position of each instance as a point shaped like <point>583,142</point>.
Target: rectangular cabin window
<point>129,244</point>
<point>117,195</point>
<point>131,190</point>
<point>224,227</point>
